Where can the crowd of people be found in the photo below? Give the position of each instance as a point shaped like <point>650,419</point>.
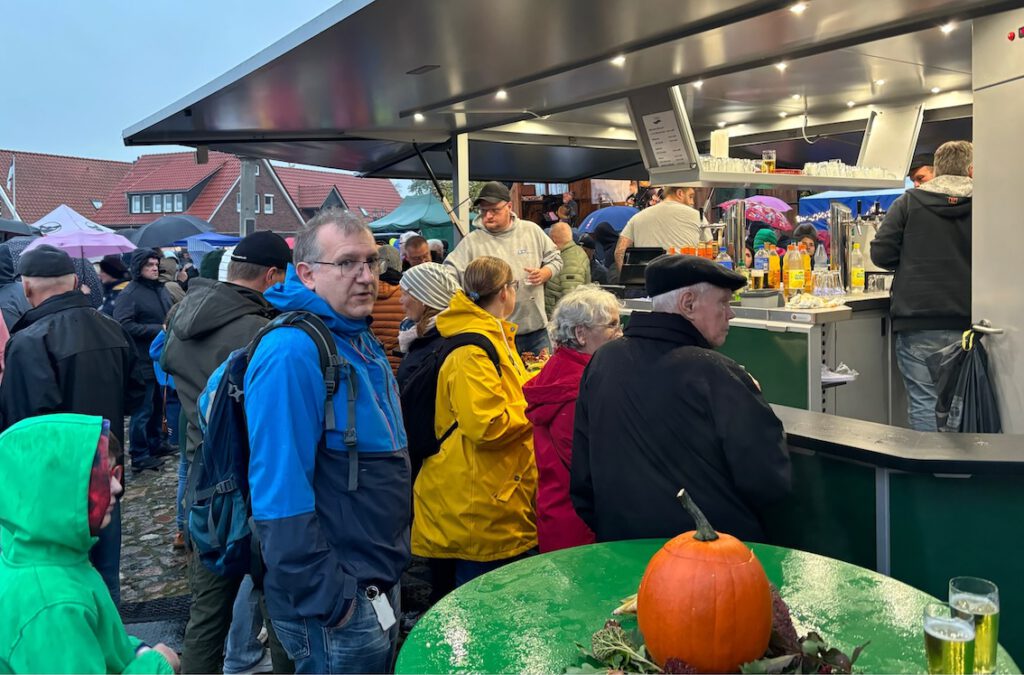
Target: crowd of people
<point>524,461</point>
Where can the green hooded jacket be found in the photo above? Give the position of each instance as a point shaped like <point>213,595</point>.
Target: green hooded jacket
<point>56,615</point>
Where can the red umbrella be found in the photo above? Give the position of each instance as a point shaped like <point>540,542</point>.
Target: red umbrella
<point>764,214</point>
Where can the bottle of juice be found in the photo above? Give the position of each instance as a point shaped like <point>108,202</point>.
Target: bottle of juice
<point>793,272</point>
<point>805,256</point>
<point>774,266</point>
<point>856,270</point>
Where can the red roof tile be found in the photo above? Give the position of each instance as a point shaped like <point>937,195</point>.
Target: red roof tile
<point>309,188</point>
<point>44,182</point>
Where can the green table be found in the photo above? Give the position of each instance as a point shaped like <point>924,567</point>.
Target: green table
<point>526,617</point>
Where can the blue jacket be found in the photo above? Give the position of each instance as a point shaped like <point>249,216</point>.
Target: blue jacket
<point>320,541</point>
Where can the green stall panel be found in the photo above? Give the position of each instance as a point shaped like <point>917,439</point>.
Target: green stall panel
<point>777,360</point>
<point>961,526</point>
<point>830,512</point>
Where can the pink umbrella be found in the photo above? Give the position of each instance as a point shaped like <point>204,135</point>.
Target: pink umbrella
<point>764,214</point>
<point>766,200</point>
<point>84,244</point>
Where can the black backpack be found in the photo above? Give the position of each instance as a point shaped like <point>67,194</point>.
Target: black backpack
<point>419,394</point>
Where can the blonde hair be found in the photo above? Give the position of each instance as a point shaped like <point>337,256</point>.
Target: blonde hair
<point>485,277</point>
<point>954,158</point>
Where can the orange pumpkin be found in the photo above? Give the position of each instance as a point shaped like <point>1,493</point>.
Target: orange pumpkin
<point>704,598</point>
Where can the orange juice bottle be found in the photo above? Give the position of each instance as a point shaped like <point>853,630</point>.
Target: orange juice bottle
<point>793,272</point>
<point>774,265</point>
<point>806,258</point>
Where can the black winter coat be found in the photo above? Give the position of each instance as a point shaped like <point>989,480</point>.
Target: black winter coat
<point>142,309</point>
<point>12,296</point>
<point>65,356</point>
<point>659,410</point>
<point>419,349</point>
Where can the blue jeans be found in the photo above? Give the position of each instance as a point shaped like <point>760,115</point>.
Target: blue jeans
<point>173,412</point>
<point>183,465</point>
<point>912,348</point>
<point>144,430</point>
<point>357,645</point>
<point>243,650</point>
<point>533,342</point>
<point>105,555</point>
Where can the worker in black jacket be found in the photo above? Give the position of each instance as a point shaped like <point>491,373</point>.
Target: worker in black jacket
<point>660,410</point>
<point>65,356</point>
<point>142,309</point>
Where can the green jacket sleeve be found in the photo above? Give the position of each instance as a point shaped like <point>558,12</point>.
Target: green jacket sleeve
<point>65,638</point>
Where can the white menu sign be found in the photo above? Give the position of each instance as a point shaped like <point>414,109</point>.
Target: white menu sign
<point>666,141</point>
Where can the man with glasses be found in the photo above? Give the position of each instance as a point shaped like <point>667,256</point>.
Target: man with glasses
<point>417,252</point>
<point>534,259</point>
<point>331,509</point>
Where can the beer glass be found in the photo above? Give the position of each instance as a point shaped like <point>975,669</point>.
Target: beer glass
<point>948,641</point>
<point>977,600</point>
<point>767,161</point>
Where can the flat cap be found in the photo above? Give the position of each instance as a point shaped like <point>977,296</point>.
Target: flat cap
<point>493,193</point>
<point>669,272</point>
<point>45,261</point>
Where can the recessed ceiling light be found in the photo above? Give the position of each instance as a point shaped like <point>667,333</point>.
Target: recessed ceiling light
<point>850,104</point>
<point>798,8</point>
<point>418,117</point>
<point>501,94</point>
<point>795,97</point>
<point>947,28</point>
<point>697,84</point>
<point>619,60</point>
<point>783,114</point>
<point>721,125</point>
<point>879,83</point>
<point>781,65</point>
<point>935,90</point>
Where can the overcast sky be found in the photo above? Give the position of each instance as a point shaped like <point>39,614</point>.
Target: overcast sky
<point>75,73</point>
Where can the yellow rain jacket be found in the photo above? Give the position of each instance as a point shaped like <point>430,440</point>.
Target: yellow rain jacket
<point>474,500</point>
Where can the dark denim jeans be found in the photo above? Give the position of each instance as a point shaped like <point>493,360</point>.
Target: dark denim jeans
<point>144,431</point>
<point>533,342</point>
<point>105,555</point>
<point>357,645</point>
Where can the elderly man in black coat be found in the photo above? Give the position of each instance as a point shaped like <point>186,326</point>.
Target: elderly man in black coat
<point>660,410</point>
<point>142,309</point>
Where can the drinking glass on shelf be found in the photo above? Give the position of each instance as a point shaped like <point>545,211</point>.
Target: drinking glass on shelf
<point>977,601</point>
<point>767,161</point>
<point>948,641</point>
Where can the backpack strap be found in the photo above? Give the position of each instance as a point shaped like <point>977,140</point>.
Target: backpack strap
<point>457,342</point>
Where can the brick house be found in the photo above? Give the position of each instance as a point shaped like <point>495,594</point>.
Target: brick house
<point>131,194</point>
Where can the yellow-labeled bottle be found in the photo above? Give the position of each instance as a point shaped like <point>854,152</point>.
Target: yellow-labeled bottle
<point>856,270</point>
<point>793,273</point>
<point>774,266</point>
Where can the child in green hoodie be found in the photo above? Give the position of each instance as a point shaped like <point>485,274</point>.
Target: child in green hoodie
<point>56,615</point>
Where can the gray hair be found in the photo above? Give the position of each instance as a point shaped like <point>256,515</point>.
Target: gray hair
<point>307,247</point>
<point>669,302</point>
<point>245,271</point>
<point>954,158</point>
<point>585,306</point>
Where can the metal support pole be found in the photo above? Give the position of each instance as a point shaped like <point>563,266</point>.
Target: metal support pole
<point>460,180</point>
<point>440,192</point>
<point>247,192</point>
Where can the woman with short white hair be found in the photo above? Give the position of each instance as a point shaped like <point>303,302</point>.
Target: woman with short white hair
<point>583,320</point>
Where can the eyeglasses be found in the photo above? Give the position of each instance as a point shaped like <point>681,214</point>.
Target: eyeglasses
<point>514,284</point>
<point>353,268</point>
<point>484,210</point>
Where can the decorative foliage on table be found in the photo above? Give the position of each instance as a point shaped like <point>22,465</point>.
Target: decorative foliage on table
<point>612,649</point>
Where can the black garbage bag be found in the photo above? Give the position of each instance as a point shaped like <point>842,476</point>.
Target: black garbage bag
<point>966,400</point>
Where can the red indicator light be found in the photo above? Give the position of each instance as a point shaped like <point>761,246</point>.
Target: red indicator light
<point>1010,36</point>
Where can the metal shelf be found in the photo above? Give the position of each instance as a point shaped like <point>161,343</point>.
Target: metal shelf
<point>761,181</point>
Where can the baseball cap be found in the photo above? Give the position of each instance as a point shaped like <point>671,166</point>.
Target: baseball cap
<point>492,193</point>
<point>263,248</point>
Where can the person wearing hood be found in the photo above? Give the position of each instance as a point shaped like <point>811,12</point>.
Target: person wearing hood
<point>387,311</point>
<point>55,613</point>
<point>660,410</point>
<point>473,500</point>
<point>925,238</point>
<point>114,278</point>
<point>598,272</point>
<point>584,320</point>
<point>212,320</point>
<point>142,309</point>
<point>427,290</point>
<point>331,505</point>
<point>64,356</point>
<point>168,276</point>
<point>12,298</point>
<point>533,257</point>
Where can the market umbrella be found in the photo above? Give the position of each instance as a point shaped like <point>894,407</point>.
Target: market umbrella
<point>616,216</point>
<point>766,200</point>
<point>764,214</point>
<point>169,229</point>
<point>14,227</point>
<point>84,244</point>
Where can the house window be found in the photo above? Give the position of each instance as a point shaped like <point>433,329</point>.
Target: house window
<point>238,202</point>
<point>158,204</point>
<point>147,203</point>
<point>268,204</point>
<point>179,202</point>
<point>136,204</point>
<point>256,199</point>
<point>257,170</point>
<point>168,203</point>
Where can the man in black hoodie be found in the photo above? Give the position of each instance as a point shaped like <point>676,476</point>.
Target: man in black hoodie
<point>142,309</point>
<point>926,239</point>
<point>12,297</point>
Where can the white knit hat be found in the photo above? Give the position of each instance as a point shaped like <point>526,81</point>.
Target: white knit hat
<point>430,283</point>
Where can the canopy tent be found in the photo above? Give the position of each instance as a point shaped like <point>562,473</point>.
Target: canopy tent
<point>814,208</point>
<point>199,245</point>
<point>420,213</point>
<point>65,219</point>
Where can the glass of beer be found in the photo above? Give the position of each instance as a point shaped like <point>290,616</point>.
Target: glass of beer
<point>767,161</point>
<point>948,641</point>
<point>977,600</point>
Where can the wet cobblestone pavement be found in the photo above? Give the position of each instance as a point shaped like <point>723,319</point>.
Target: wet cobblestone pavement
<point>150,567</point>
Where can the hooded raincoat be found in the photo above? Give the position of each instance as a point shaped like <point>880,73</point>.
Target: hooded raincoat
<point>56,615</point>
<point>551,399</point>
<point>474,500</point>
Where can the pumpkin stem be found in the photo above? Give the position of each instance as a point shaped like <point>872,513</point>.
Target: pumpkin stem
<point>704,530</point>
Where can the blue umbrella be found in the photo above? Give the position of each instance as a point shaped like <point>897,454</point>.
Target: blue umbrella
<point>616,216</point>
